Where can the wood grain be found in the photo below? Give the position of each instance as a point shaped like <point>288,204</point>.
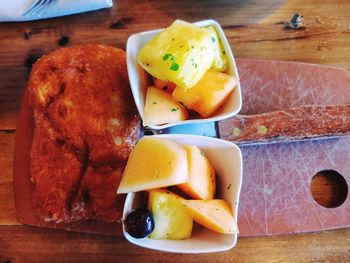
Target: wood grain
<point>7,204</point>
<point>23,242</point>
<point>323,40</point>
<point>255,29</point>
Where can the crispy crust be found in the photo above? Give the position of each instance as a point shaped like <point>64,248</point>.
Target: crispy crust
<point>83,110</point>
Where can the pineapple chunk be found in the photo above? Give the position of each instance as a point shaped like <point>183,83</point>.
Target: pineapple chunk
<point>220,59</point>
<point>208,94</point>
<point>182,53</point>
<point>160,108</point>
<point>201,184</point>
<point>215,215</point>
<point>154,163</point>
<point>171,220</point>
<point>167,86</point>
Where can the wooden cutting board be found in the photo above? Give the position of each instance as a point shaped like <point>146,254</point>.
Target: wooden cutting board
<point>276,196</point>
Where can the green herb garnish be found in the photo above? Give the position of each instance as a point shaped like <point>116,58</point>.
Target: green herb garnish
<point>174,109</point>
<point>154,102</point>
<point>174,66</point>
<point>213,39</point>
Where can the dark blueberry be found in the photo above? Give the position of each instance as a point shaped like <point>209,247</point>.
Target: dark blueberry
<point>139,223</point>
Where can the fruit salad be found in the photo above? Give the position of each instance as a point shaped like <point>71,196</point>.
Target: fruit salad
<point>189,68</point>
<point>180,182</point>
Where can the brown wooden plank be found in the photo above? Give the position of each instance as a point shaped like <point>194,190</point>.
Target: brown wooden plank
<point>19,243</point>
<point>255,30</point>
<point>7,205</point>
<point>324,39</point>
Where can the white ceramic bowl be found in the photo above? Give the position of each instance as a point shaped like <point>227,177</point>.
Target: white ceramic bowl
<point>227,160</point>
<point>140,80</point>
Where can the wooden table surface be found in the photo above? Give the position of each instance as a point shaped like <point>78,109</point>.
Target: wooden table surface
<point>255,29</point>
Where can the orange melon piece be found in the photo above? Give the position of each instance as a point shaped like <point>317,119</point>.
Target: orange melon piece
<point>201,173</point>
<point>167,86</point>
<point>161,108</point>
<point>154,163</point>
<point>215,215</point>
<point>208,94</point>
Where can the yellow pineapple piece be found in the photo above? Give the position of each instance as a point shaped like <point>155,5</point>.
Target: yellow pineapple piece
<point>220,62</point>
<point>182,53</point>
<point>171,219</point>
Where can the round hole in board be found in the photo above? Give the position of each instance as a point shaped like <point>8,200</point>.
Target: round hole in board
<point>329,188</point>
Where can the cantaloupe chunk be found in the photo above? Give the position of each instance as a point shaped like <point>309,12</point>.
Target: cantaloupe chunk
<point>165,85</point>
<point>215,215</point>
<point>208,94</point>
<point>171,220</point>
<point>161,108</point>
<point>182,53</point>
<point>201,173</point>
<point>154,163</point>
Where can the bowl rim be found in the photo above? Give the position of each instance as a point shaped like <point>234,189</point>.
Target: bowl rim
<point>234,71</point>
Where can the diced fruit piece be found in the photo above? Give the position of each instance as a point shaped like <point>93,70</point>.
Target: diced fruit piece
<point>220,59</point>
<point>170,216</point>
<point>167,86</point>
<point>161,108</point>
<point>154,163</point>
<point>139,223</point>
<point>201,173</point>
<point>215,215</point>
<point>208,94</point>
<point>182,53</point>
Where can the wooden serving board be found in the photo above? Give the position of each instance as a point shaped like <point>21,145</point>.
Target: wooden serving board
<point>275,196</point>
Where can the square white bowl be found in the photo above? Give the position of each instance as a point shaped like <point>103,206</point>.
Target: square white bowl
<point>227,160</point>
<point>140,80</point>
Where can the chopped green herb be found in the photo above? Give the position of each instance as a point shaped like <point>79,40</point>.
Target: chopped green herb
<point>174,66</point>
<point>202,153</point>
<point>223,52</point>
<point>173,39</point>
<point>213,39</point>
<point>174,109</point>
<point>192,47</point>
<point>166,56</point>
<point>181,46</point>
<point>196,65</point>
<point>154,102</point>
